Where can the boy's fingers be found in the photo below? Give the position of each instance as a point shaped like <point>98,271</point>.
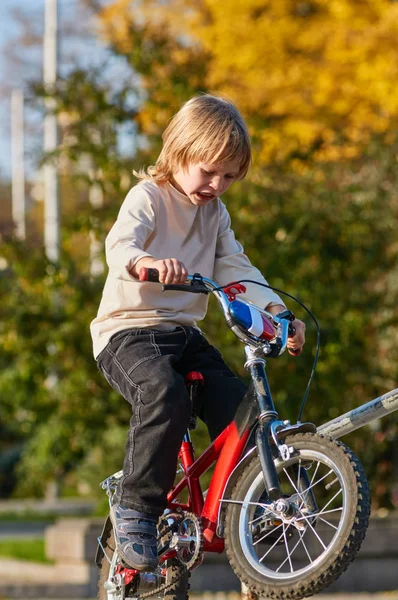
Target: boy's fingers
<point>171,270</point>
<point>170,274</point>
<point>295,352</point>
<point>180,272</point>
<point>176,270</point>
<point>164,272</point>
<point>183,273</point>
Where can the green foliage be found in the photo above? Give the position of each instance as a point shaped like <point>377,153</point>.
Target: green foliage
<point>53,397</point>
<point>327,236</point>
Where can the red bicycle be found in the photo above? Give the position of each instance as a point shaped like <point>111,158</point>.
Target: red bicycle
<point>289,506</point>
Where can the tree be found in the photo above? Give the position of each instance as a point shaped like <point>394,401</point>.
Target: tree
<point>315,79</point>
<point>317,218</point>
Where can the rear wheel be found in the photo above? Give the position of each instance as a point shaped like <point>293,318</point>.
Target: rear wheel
<point>168,572</point>
<point>300,546</point>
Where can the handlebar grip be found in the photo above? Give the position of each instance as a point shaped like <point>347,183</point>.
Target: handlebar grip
<point>297,352</point>
<point>147,274</point>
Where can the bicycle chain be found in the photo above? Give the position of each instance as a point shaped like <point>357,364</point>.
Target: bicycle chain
<point>161,588</point>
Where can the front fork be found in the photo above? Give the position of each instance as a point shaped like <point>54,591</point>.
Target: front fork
<point>268,415</point>
<point>269,427</point>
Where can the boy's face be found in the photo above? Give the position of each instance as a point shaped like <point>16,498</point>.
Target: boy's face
<point>205,182</point>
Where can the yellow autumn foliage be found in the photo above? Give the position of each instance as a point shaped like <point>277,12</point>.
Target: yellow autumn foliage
<point>314,78</point>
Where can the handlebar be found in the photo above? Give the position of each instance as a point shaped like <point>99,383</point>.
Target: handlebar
<point>273,346</point>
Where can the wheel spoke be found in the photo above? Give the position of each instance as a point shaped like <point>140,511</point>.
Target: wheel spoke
<point>262,515</point>
<point>298,473</point>
<point>316,516</point>
<point>305,517</point>
<point>287,547</point>
<point>296,488</point>
<point>316,535</point>
<point>300,541</point>
<point>298,479</point>
<point>301,534</point>
<point>310,487</point>
<point>256,519</point>
<point>267,534</point>
<point>245,503</point>
<point>272,547</point>
<point>321,512</point>
<point>315,472</point>
<point>329,523</point>
<point>292,482</point>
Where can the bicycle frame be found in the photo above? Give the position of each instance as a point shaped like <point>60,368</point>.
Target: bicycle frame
<point>226,452</point>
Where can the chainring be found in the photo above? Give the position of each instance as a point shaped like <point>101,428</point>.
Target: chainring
<point>190,553</point>
<point>167,525</point>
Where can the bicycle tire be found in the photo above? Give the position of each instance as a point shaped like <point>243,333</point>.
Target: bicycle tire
<point>246,534</point>
<point>174,570</point>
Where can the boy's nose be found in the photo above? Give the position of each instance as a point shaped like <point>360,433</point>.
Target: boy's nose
<point>216,183</point>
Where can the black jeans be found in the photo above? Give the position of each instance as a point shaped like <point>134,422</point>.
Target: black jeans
<point>147,367</point>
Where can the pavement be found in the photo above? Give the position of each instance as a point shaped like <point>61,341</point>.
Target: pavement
<point>23,529</point>
<point>235,596</point>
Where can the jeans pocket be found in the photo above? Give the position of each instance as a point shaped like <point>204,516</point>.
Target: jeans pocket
<point>112,382</point>
<point>136,349</point>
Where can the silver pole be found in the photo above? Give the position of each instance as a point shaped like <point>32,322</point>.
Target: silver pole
<point>362,415</point>
<point>18,164</point>
<point>96,199</point>
<point>51,196</point>
<point>50,175</point>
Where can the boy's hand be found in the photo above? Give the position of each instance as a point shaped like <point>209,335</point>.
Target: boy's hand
<point>171,270</point>
<point>296,342</point>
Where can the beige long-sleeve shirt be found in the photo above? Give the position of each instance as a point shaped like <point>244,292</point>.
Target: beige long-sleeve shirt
<point>161,222</point>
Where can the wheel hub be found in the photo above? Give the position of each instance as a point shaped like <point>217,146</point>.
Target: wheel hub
<point>285,508</point>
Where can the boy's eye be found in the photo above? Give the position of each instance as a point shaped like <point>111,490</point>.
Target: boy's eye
<point>207,172</point>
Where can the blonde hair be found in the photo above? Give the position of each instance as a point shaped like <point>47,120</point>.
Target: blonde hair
<point>206,129</point>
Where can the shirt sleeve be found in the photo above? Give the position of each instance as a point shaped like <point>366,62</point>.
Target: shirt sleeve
<point>232,264</point>
<point>125,243</point>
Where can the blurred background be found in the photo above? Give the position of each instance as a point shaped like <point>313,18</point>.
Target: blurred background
<point>86,89</point>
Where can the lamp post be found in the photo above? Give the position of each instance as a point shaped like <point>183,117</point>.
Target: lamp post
<point>18,164</point>
<point>50,175</point>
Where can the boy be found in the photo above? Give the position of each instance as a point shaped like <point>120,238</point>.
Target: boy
<point>146,341</point>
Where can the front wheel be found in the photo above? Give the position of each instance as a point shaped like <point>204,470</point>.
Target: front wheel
<point>300,546</point>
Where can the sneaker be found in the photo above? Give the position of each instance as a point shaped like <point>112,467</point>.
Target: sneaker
<point>135,534</point>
